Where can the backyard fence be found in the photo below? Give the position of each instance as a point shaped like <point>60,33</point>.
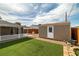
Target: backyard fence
<point>12,37</point>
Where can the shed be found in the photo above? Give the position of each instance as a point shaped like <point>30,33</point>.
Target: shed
<point>57,31</point>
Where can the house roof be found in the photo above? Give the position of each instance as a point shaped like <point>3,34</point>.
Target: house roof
<point>7,24</point>
<point>54,24</point>
<point>32,27</point>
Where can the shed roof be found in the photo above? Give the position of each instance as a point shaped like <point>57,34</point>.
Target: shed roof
<point>54,24</point>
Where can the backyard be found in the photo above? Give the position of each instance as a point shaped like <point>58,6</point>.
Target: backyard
<point>30,47</point>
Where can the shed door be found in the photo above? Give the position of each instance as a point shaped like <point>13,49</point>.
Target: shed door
<point>50,32</point>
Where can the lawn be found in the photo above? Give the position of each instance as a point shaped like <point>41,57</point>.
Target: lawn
<point>30,47</point>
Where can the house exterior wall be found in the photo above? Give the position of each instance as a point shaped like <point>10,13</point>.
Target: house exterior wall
<point>75,34</point>
<point>31,31</point>
<point>43,31</point>
<point>8,31</point>
<point>5,31</point>
<point>78,36</point>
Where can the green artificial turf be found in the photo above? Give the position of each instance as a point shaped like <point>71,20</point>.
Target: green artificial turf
<point>30,47</point>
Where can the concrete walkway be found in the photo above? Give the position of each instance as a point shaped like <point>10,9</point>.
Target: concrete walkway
<point>52,41</point>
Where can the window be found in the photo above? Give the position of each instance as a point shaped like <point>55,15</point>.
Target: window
<point>17,31</point>
<point>50,29</point>
<point>11,31</point>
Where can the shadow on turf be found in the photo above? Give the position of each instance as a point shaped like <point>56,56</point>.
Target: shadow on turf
<point>6,44</point>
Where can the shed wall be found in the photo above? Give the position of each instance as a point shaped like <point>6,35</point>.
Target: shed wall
<point>43,31</point>
<point>62,32</point>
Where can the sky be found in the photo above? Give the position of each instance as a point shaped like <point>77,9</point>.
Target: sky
<point>40,13</point>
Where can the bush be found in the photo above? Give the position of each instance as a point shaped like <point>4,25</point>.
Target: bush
<point>76,50</point>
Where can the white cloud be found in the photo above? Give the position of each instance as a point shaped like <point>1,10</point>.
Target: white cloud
<point>41,16</point>
<point>74,10</point>
<point>5,9</point>
<point>5,16</point>
<point>16,8</point>
<point>54,14</point>
<point>14,19</point>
